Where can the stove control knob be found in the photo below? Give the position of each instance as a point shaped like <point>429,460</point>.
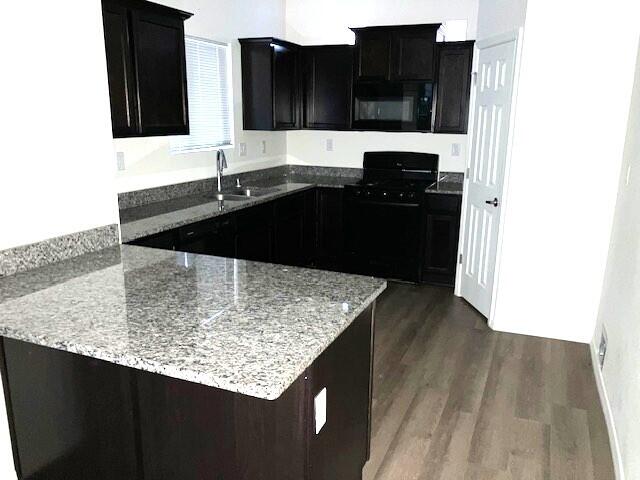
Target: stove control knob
<point>385,194</point>
<point>401,195</point>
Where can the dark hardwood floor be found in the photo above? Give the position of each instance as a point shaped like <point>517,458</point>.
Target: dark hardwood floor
<point>455,400</point>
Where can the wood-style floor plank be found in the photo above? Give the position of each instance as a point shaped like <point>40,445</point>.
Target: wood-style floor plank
<point>455,400</point>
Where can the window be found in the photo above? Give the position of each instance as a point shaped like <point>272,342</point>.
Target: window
<point>209,94</point>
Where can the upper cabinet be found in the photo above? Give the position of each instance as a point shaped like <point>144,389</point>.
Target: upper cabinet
<point>327,75</point>
<point>144,45</point>
<point>395,78</point>
<point>453,87</point>
<point>396,53</point>
<point>270,84</point>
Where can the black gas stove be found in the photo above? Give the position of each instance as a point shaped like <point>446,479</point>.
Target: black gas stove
<point>385,213</point>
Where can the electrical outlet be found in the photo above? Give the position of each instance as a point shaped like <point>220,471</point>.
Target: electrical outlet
<point>455,149</point>
<point>602,349</point>
<point>120,161</point>
<point>329,145</point>
<point>320,410</point>
<point>264,147</point>
<point>243,149</point>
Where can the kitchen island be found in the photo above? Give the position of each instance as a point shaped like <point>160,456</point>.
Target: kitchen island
<point>141,363</point>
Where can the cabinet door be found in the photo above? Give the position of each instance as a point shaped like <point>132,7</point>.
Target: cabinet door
<point>330,228</point>
<point>441,246</point>
<point>161,73</point>
<point>413,53</point>
<point>210,237</point>
<point>119,70</point>
<point>373,55</point>
<point>327,81</point>
<point>453,87</point>
<point>255,232</point>
<point>288,246</point>
<point>285,87</point>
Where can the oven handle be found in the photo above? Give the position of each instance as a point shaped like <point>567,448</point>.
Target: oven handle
<point>390,204</point>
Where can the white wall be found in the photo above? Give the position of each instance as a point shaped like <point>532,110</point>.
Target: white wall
<point>500,16</point>
<point>328,21</point>
<point>620,303</point>
<point>569,135</point>
<point>56,129</point>
<point>57,168</point>
<point>148,161</point>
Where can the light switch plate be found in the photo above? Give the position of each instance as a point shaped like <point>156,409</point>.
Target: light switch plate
<point>264,146</point>
<point>455,149</point>
<point>243,149</point>
<point>320,409</point>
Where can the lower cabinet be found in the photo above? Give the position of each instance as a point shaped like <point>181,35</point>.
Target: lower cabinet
<point>309,229</point>
<point>254,233</point>
<point>441,246</point>
<point>330,233</point>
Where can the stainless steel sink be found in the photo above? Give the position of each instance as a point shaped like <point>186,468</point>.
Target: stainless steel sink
<point>242,193</point>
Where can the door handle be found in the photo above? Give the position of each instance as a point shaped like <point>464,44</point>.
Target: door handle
<point>493,202</point>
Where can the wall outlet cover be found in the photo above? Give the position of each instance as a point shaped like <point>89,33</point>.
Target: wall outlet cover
<point>329,145</point>
<point>320,409</point>
<point>455,149</point>
<point>243,149</point>
<point>602,348</point>
<point>120,161</point>
<point>264,146</point>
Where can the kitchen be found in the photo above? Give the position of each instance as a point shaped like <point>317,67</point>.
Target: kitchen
<point>307,238</point>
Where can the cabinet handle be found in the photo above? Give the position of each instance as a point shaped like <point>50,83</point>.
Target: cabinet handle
<point>493,202</point>
<point>190,233</point>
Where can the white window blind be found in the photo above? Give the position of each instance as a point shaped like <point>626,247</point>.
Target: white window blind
<point>209,94</point>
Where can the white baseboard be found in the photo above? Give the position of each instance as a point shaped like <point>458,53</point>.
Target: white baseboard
<point>608,414</point>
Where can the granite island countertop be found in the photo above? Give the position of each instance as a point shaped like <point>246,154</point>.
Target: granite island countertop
<point>241,326</point>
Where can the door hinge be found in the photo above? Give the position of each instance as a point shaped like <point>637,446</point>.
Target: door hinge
<point>460,259</point>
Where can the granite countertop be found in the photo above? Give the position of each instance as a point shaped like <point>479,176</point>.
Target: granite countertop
<point>241,326</point>
<point>141,221</point>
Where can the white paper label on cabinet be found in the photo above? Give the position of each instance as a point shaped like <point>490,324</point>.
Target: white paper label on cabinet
<point>320,409</point>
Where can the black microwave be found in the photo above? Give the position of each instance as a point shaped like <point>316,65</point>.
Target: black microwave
<point>393,106</point>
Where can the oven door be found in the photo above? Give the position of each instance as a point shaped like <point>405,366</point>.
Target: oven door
<point>383,238</point>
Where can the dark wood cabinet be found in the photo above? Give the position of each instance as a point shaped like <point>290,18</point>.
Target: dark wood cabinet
<point>412,50</point>
<point>124,111</point>
<point>289,238</point>
<point>373,53</point>
<point>327,77</point>
<point>254,235</point>
<point>453,88</point>
<point>144,45</point>
<point>209,237</point>
<point>270,84</point>
<point>397,53</point>
<point>330,245</point>
<point>165,240</point>
<point>441,245</point>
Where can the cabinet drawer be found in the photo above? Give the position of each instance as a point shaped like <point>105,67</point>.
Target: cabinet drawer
<point>258,215</point>
<point>442,202</point>
<point>195,230</point>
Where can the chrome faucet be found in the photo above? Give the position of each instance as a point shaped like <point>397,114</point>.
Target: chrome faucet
<point>221,164</point>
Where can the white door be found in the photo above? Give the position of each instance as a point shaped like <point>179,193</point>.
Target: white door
<point>490,142</point>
